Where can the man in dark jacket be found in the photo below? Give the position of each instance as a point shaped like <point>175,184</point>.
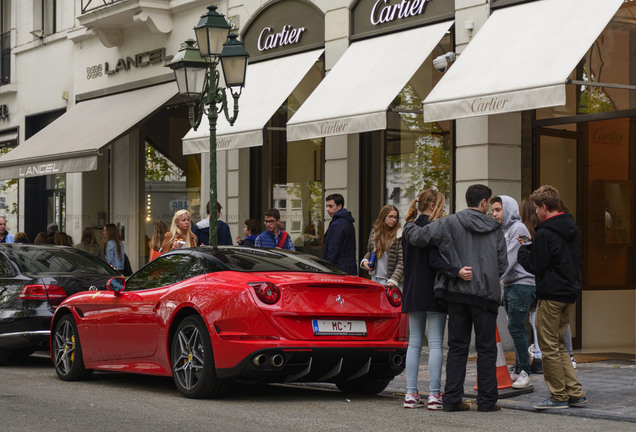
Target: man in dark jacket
<point>469,238</point>
<point>202,228</point>
<point>554,257</point>
<point>339,246</point>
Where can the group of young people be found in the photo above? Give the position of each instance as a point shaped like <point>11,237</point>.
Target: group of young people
<point>454,268</point>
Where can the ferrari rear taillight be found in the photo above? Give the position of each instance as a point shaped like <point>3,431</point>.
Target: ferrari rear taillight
<point>266,292</point>
<point>53,293</point>
<point>394,295</point>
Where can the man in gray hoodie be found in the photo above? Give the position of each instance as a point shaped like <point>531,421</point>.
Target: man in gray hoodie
<point>519,287</point>
<point>469,238</point>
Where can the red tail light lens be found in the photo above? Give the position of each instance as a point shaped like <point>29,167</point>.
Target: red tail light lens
<point>53,293</point>
<point>266,292</point>
<point>394,295</point>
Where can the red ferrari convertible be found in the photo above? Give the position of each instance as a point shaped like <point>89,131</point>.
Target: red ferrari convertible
<point>209,316</point>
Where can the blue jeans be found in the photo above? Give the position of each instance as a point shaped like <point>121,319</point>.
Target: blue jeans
<point>417,328</point>
<point>517,301</point>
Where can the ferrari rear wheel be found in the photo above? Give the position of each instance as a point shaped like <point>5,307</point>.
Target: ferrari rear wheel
<point>365,385</point>
<point>193,362</point>
<point>67,351</point>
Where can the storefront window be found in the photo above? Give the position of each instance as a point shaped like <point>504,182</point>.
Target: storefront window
<point>418,155</point>
<point>56,200</point>
<point>610,60</point>
<point>9,198</point>
<point>296,172</point>
<point>168,189</point>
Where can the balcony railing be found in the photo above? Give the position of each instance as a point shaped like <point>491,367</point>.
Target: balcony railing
<point>91,5</point>
<point>5,57</point>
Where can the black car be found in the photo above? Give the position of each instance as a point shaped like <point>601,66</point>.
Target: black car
<point>34,280</point>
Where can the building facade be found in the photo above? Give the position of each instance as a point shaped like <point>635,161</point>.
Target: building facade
<point>359,97</point>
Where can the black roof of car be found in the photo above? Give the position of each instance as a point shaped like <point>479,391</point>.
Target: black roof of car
<point>251,259</point>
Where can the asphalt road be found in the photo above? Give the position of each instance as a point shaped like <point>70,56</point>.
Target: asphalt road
<point>32,398</point>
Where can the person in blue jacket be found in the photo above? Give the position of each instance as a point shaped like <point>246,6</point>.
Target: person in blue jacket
<point>273,236</point>
<point>339,246</point>
<point>202,229</point>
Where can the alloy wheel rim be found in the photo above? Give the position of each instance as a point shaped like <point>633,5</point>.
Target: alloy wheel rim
<point>64,347</point>
<point>188,360</point>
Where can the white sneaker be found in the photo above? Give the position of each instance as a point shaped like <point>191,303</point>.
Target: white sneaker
<point>435,402</point>
<point>514,375</point>
<point>413,401</point>
<point>524,381</point>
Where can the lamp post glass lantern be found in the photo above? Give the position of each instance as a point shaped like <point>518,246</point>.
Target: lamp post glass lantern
<point>197,77</point>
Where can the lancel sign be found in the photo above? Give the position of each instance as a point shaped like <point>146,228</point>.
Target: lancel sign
<point>384,12</point>
<point>39,169</point>
<point>269,38</point>
<point>139,60</point>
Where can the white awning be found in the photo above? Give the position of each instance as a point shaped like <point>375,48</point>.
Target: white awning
<point>71,143</point>
<point>356,93</point>
<point>520,59</point>
<point>267,85</point>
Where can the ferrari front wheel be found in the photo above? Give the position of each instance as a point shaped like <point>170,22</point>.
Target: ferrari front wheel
<point>193,362</point>
<point>67,351</point>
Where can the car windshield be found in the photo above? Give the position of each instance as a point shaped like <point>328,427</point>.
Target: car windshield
<point>271,260</point>
<point>57,259</point>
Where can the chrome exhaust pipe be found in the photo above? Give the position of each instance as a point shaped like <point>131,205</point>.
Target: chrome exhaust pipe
<point>260,360</point>
<point>276,360</point>
<point>397,360</point>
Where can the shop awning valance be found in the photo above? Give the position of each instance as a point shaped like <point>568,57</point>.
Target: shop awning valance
<point>71,143</point>
<point>356,93</point>
<point>267,85</point>
<point>520,59</point>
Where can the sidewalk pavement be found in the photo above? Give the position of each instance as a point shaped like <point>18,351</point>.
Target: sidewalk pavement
<point>610,386</point>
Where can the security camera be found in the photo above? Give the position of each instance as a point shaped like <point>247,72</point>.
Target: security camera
<point>443,62</point>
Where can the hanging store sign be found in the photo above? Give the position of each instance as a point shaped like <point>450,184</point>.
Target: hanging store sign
<point>284,27</point>
<point>140,60</point>
<point>371,17</point>
<point>269,39</point>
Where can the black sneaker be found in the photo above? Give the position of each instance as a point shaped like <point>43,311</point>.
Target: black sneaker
<point>461,407</point>
<point>577,402</point>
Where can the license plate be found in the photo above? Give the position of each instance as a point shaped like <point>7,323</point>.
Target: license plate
<point>339,327</point>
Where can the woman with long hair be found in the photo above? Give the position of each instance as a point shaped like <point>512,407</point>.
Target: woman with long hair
<point>155,243</point>
<point>421,266</point>
<point>529,216</point>
<point>383,259</point>
<point>114,253</point>
<point>180,234</point>
<point>89,243</point>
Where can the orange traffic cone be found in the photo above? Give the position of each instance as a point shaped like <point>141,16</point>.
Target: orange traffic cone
<point>503,376</point>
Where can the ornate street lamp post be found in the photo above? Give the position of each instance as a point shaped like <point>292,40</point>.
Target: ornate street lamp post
<point>197,76</point>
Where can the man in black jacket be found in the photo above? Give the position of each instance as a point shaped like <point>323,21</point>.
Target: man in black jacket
<point>339,246</point>
<point>554,257</point>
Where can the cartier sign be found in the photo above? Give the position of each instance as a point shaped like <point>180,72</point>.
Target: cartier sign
<point>383,11</point>
<point>269,38</point>
<point>485,105</point>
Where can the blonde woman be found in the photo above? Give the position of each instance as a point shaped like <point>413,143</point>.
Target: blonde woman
<point>385,248</point>
<point>180,234</point>
<point>420,269</point>
<point>113,247</point>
